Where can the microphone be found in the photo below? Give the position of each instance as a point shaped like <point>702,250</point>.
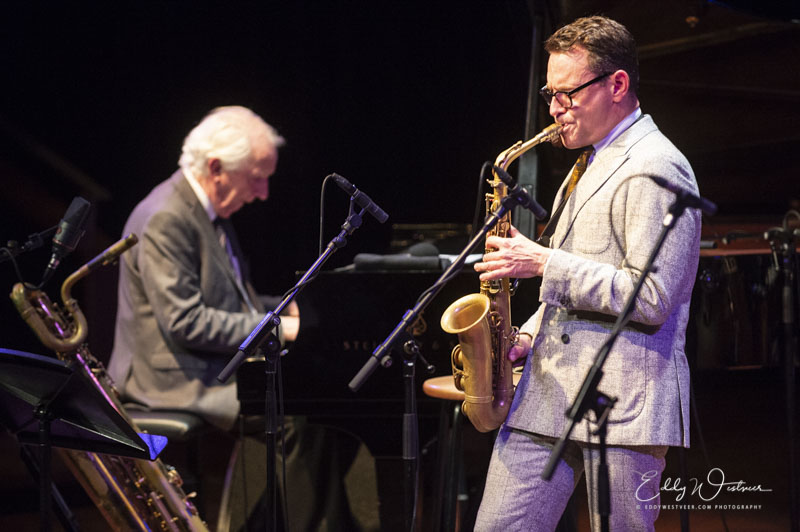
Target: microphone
<point>360,198</point>
<point>691,200</point>
<point>69,231</point>
<point>523,198</point>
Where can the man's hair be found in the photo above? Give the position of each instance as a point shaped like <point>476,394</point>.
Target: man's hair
<point>609,44</point>
<point>226,133</point>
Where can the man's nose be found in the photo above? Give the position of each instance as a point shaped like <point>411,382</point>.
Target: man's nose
<point>556,108</point>
<point>262,190</point>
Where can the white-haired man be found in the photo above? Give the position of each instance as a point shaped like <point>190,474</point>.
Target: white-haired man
<point>185,303</point>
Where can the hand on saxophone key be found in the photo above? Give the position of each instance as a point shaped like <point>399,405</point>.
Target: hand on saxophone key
<point>520,349</point>
<point>515,256</point>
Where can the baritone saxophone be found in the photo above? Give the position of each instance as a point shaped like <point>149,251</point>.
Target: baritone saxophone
<point>131,494</point>
<point>481,368</point>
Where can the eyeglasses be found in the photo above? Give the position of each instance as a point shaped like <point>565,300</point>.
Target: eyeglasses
<point>564,98</point>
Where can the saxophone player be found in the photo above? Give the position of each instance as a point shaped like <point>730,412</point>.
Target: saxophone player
<point>610,222</point>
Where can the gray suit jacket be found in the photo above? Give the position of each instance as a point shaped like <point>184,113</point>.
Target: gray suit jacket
<point>181,315</point>
<point>606,232</point>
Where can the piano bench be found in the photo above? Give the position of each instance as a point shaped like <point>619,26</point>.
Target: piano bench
<point>175,425</point>
<point>181,427</point>
<point>450,473</point>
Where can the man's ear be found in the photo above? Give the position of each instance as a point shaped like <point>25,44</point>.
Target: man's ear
<point>214,167</point>
<point>621,84</point>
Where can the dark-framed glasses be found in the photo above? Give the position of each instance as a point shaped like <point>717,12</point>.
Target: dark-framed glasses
<point>564,98</point>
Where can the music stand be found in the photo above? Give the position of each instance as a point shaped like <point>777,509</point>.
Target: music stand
<point>45,402</point>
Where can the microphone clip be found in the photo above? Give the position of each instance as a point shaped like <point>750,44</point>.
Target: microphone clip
<point>518,195</point>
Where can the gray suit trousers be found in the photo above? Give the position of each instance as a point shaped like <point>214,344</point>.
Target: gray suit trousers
<point>516,498</point>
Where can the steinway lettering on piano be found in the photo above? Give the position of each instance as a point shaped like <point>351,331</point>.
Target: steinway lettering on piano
<point>368,346</point>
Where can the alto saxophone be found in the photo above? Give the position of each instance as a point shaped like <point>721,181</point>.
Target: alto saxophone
<point>481,368</point>
<point>132,494</point>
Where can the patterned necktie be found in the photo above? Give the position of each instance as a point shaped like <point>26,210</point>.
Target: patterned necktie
<point>579,169</point>
<point>224,232</point>
<point>227,238</point>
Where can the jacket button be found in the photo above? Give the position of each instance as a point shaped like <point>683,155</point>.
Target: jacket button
<point>565,338</point>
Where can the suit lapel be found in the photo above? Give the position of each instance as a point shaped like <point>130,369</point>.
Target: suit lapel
<point>196,211</point>
<point>597,175</point>
<point>605,165</point>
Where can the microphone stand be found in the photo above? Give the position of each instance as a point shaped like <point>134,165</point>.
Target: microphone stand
<point>590,398</point>
<point>34,241</point>
<point>382,356</point>
<point>264,337</point>
<point>783,242</point>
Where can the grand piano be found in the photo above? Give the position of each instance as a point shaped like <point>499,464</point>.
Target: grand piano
<point>345,315</point>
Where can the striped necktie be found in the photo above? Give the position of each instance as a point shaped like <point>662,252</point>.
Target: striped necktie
<point>578,169</point>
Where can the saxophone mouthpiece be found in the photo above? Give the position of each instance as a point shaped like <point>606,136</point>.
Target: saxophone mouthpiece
<point>552,134</point>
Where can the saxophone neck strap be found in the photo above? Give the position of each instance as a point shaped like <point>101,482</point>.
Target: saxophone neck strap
<point>549,229</point>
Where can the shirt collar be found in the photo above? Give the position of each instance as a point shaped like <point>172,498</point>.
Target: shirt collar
<point>200,193</point>
<point>623,124</point>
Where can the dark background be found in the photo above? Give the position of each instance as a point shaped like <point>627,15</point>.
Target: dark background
<point>404,99</point>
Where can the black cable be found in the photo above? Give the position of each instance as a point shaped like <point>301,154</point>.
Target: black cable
<point>480,198</point>
<point>478,209</point>
<point>12,257</point>
<point>322,210</point>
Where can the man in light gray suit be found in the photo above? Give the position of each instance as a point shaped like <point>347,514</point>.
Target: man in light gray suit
<point>609,224</point>
<point>185,301</point>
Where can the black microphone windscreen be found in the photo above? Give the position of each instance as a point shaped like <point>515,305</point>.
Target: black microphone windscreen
<point>71,227</point>
<point>361,199</point>
<point>344,184</point>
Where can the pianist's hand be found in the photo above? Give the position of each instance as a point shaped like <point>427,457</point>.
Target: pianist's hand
<point>290,321</point>
<point>290,326</point>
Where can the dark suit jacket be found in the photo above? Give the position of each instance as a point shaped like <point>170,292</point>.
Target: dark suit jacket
<point>181,315</point>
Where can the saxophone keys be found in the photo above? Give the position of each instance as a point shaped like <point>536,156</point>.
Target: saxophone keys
<point>173,477</point>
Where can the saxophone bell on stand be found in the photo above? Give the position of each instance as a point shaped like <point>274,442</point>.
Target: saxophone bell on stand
<point>482,321</point>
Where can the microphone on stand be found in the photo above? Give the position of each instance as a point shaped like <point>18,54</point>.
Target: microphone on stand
<point>68,233</point>
<point>523,198</point>
<point>691,200</point>
<point>360,198</point>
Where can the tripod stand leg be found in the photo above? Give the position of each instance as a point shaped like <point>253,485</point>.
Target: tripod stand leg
<point>44,472</point>
<point>64,514</point>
